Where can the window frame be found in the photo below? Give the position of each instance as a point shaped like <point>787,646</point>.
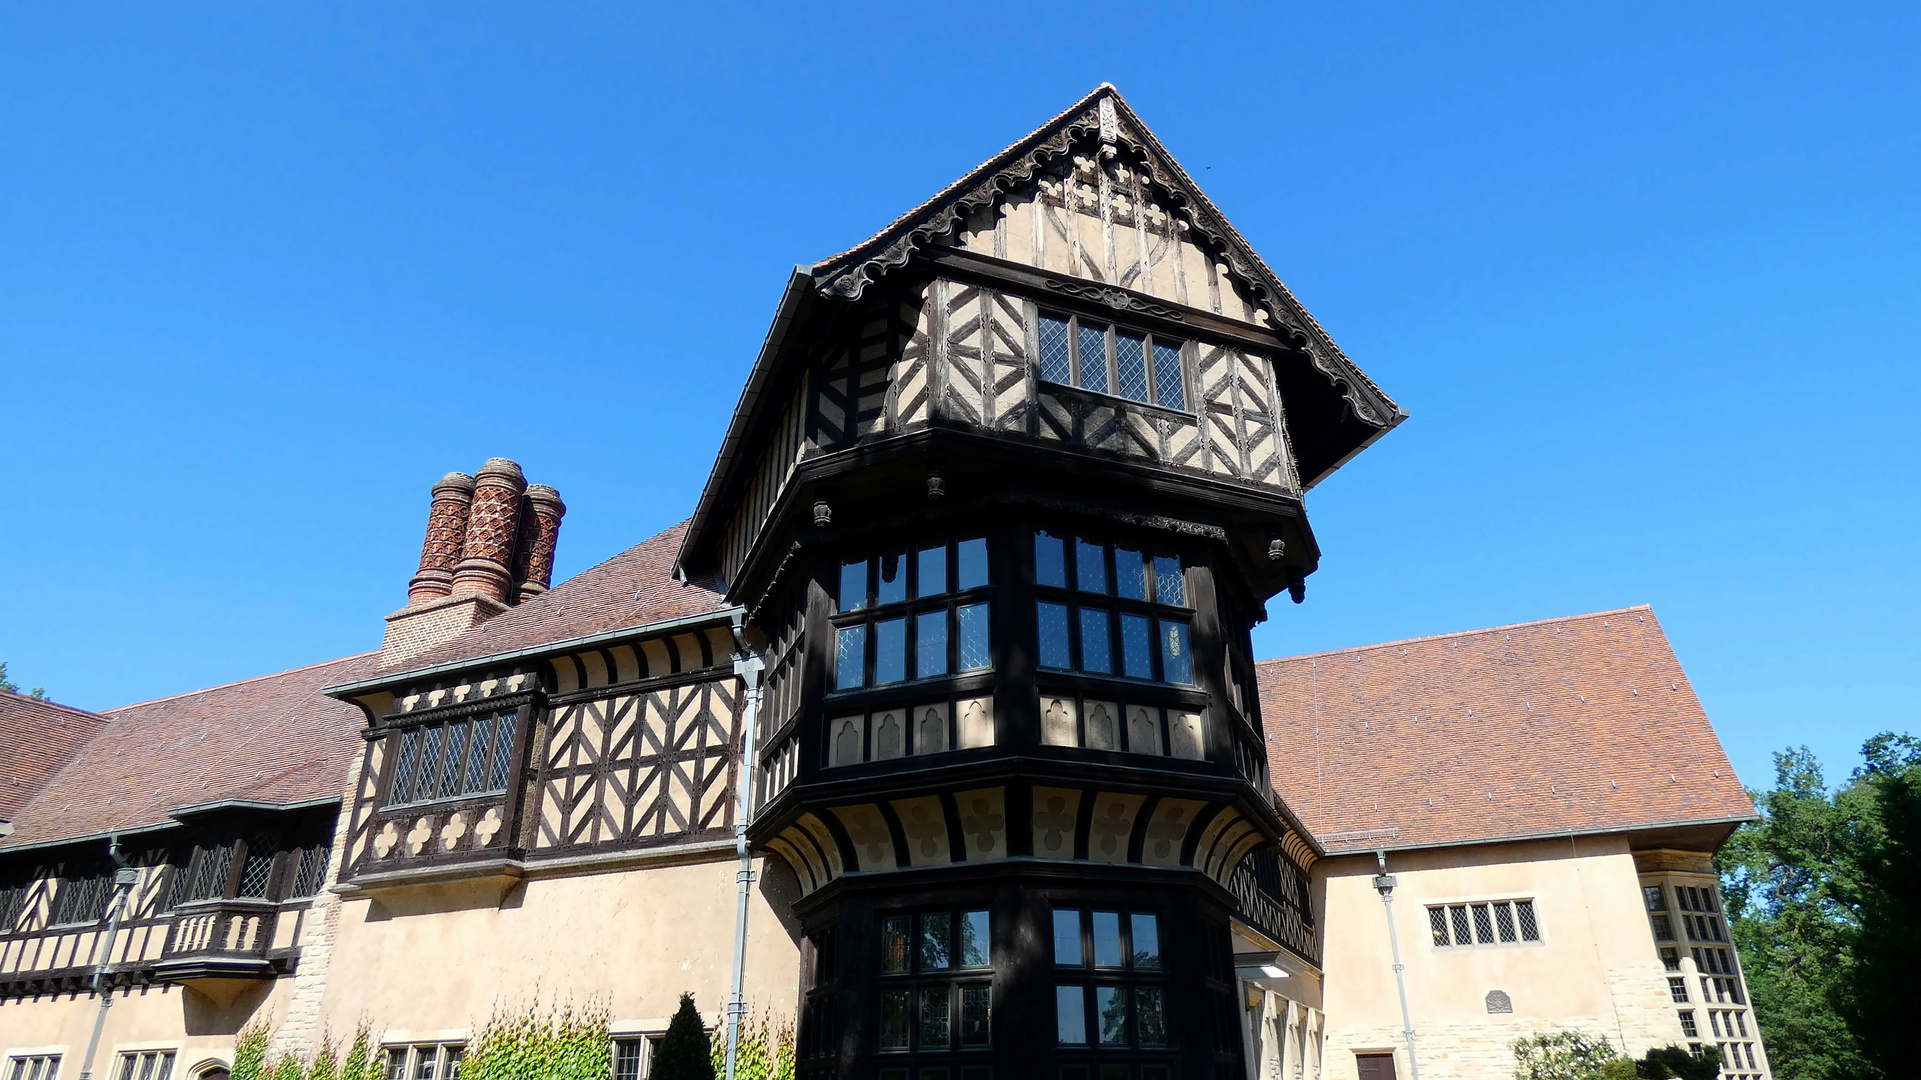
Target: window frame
<point>871,612</point>
<point>1114,607</point>
<point>917,979</point>
<point>1111,332</point>
<point>503,731</point>
<point>1129,978</point>
<point>155,1063</point>
<point>1456,918</point>
<point>31,1066</point>
<point>410,1062</point>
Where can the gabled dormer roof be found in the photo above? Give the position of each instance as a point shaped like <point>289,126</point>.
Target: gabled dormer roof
<point>1333,410</point>
<point>1104,116</point>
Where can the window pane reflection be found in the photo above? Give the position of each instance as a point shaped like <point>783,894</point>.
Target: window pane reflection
<point>973,637</point>
<point>1097,651</point>
<point>973,564</point>
<point>850,657</point>
<point>975,1021</point>
<point>890,651</point>
<point>930,644</point>
<point>893,943</point>
<point>1110,1004</point>
<point>1137,647</point>
<point>1050,560</point>
<point>935,1012</point>
<point>974,940</point>
<point>1071,1011</point>
<point>1130,577</point>
<point>1053,619</point>
<point>1067,937</point>
<point>1093,358</point>
<point>893,1019</point>
<point>892,586</point>
<point>1090,567</point>
<point>1147,942</point>
<point>853,585</point>
<point>933,571</point>
<point>1177,657</point>
<point>1107,939</point>
<point>936,938</point>
<point>1169,588</point>
<point>1150,1015</point>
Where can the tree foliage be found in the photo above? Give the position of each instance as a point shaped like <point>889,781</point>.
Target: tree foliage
<point>684,1052</point>
<point>38,692</point>
<point>1676,1063</point>
<point>1823,897</point>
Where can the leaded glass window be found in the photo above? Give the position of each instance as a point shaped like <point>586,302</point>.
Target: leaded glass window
<point>1105,359</point>
<point>453,759</point>
<point>1078,634</point>
<point>935,994</point>
<point>1497,922</point>
<point>906,616</point>
<point>1118,998</point>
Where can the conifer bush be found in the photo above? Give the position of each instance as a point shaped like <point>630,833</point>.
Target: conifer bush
<point>685,1052</point>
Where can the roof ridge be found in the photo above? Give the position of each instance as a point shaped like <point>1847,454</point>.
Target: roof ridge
<point>966,178</point>
<point>50,703</point>
<point>239,682</point>
<point>1649,608</point>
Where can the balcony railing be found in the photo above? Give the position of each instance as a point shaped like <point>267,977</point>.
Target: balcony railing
<point>227,938</point>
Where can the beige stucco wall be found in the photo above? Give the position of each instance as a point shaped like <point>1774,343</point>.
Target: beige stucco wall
<point>194,1026</point>
<point>436,960</point>
<point>1596,969</point>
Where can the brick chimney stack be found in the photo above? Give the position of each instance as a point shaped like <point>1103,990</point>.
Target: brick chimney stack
<point>540,514</point>
<point>490,543</point>
<point>486,559</point>
<point>446,532</point>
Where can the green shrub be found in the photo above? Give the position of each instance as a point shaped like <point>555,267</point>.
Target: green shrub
<point>1566,1055</point>
<point>1675,1063</point>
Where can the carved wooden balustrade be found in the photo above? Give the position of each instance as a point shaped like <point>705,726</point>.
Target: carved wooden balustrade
<point>219,938</point>
<point>403,837</point>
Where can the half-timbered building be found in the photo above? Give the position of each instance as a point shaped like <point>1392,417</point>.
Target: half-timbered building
<point>940,716</point>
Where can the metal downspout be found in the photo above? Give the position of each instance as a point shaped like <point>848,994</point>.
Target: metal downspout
<point>747,666</point>
<point>1385,884</point>
<point>124,878</point>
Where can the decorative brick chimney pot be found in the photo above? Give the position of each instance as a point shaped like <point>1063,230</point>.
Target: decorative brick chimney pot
<point>446,532</point>
<point>540,514</point>
<point>487,555</point>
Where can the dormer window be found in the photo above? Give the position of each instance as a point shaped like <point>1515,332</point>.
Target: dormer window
<point>1107,359</point>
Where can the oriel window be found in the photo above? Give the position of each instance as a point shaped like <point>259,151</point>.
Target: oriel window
<point>453,759</point>
<point>912,613</point>
<point>1107,359</point>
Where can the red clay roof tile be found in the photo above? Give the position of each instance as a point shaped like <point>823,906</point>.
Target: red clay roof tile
<point>1579,724</point>
<point>274,738</point>
<point>39,737</point>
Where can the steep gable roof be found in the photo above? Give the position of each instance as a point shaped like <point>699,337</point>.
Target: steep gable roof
<point>1103,114</point>
<point>1572,725</point>
<point>40,737</point>
<point>272,739</point>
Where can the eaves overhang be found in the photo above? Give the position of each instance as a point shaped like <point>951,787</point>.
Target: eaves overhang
<point>1337,847</point>
<point>793,301</point>
<point>733,613</point>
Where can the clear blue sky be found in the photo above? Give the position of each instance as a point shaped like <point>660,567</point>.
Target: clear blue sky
<point>1646,277</point>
